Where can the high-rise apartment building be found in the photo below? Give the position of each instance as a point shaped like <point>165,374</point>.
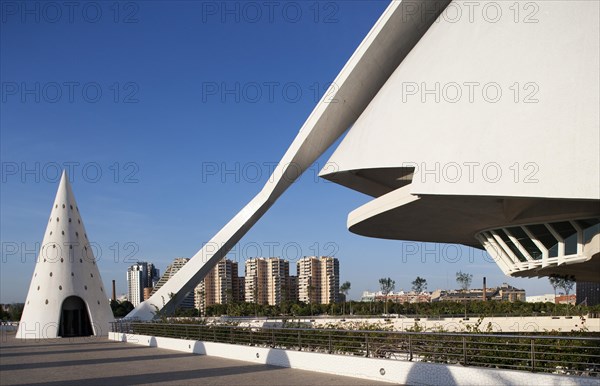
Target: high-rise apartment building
<point>309,279</point>
<point>135,288</point>
<point>268,281</point>
<point>318,279</point>
<point>239,288</point>
<point>153,276</point>
<point>278,273</point>
<point>292,289</point>
<point>256,280</point>
<point>330,279</point>
<point>171,270</point>
<point>220,286</point>
<point>140,276</point>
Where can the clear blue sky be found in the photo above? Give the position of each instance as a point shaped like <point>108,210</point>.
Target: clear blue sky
<point>170,116</point>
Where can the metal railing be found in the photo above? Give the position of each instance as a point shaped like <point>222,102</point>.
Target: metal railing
<point>538,353</point>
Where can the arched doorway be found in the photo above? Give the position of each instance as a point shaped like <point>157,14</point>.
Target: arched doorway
<point>74,318</point>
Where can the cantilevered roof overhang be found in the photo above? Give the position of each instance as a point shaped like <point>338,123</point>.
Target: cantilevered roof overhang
<point>487,123</point>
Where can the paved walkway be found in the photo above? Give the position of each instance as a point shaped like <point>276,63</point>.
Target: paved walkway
<point>94,361</point>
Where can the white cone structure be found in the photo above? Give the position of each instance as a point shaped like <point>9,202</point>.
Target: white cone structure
<point>66,296</point>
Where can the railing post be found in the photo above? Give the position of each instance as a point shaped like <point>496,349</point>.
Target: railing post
<point>464,342</point>
<point>187,335</point>
<point>410,353</point>
<point>367,343</point>
<point>330,348</point>
<point>251,337</point>
<point>532,354</point>
<point>299,341</point>
<point>273,337</point>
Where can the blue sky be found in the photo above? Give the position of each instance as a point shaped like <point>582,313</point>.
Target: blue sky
<point>170,117</point>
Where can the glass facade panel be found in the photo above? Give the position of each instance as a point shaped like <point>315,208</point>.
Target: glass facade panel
<point>510,244</point>
<point>569,234</point>
<point>526,242</point>
<point>590,226</point>
<point>543,235</point>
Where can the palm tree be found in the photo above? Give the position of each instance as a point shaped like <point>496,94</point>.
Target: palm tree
<point>255,292</point>
<point>345,288</point>
<point>201,303</point>
<point>566,283</point>
<point>464,281</point>
<point>387,285</point>
<point>555,283</point>
<point>419,285</point>
<point>310,298</point>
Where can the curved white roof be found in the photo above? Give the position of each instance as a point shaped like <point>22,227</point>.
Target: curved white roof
<point>439,111</point>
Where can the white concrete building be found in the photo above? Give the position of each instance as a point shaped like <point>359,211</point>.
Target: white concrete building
<point>466,142</point>
<point>140,276</point>
<point>541,298</point>
<point>66,296</point>
<point>135,283</point>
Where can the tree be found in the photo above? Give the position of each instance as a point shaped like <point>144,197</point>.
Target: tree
<point>202,303</point>
<point>344,288</point>
<point>3,314</point>
<point>387,285</point>
<point>255,293</point>
<point>555,283</point>
<point>12,312</point>
<point>121,309</point>
<point>565,283</point>
<point>419,285</point>
<point>311,290</point>
<point>283,299</point>
<point>464,280</point>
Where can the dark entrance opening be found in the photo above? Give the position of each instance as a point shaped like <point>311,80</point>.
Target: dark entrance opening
<point>74,318</point>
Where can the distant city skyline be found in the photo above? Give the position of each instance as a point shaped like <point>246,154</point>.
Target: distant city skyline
<point>226,276</point>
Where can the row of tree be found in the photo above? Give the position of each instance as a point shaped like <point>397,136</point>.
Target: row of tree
<point>419,285</point>
<point>435,309</point>
<point>464,280</point>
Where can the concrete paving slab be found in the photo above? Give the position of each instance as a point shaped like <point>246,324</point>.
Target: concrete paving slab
<point>98,361</point>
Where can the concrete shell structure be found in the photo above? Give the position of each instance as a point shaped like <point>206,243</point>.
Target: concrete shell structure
<point>66,296</point>
<point>487,134</point>
<point>478,132</point>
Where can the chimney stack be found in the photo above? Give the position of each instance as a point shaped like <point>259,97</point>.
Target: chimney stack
<point>114,295</point>
<point>484,290</point>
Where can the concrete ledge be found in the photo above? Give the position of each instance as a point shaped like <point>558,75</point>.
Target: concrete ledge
<point>402,372</point>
